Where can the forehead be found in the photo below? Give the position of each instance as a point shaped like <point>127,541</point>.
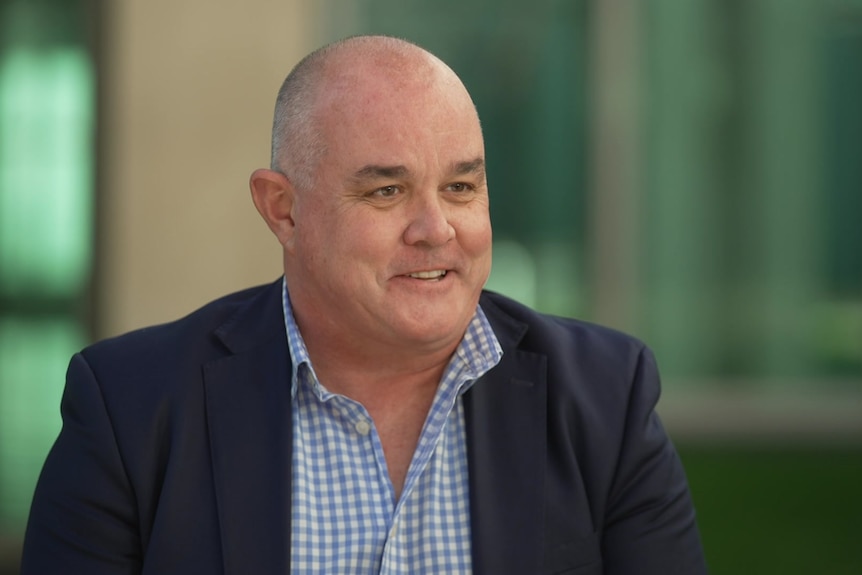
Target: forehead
<point>384,113</point>
<point>391,82</point>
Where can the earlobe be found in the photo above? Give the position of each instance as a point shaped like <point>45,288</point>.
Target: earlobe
<point>273,196</point>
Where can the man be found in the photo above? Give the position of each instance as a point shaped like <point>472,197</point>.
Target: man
<point>375,412</point>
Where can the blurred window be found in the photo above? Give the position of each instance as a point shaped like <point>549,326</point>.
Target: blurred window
<point>46,220</point>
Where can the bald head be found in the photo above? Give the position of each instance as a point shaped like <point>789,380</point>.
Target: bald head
<point>330,74</point>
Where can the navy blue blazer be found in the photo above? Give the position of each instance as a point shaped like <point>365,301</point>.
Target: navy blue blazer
<point>174,456</point>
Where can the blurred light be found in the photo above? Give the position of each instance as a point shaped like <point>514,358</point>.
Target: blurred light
<point>513,272</point>
<point>46,181</point>
<point>33,359</point>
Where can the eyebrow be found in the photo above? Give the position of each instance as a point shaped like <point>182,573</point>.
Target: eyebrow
<point>372,171</point>
<point>375,171</point>
<point>476,166</point>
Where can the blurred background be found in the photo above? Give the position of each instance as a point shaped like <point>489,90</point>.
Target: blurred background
<point>689,171</point>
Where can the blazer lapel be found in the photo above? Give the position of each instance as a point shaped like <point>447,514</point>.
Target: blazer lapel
<point>248,415</point>
<point>505,413</point>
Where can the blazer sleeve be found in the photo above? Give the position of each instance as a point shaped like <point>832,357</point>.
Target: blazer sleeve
<point>650,524</point>
<point>83,516</point>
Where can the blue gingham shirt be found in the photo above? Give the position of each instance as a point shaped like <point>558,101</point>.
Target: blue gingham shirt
<point>345,519</point>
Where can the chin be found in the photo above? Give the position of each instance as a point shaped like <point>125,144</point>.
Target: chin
<point>432,330</point>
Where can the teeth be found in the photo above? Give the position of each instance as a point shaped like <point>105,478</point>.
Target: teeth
<point>428,275</point>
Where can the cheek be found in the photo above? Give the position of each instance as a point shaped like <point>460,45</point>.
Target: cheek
<point>319,230</point>
<point>475,234</point>
<point>315,245</point>
<point>352,246</point>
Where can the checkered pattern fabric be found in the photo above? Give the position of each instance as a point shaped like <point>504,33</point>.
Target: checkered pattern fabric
<point>345,519</point>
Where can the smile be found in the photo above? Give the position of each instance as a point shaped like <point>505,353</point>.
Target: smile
<point>431,275</point>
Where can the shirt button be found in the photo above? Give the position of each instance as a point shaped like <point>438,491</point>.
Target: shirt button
<point>363,427</point>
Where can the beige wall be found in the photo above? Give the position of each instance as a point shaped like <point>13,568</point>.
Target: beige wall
<point>188,92</point>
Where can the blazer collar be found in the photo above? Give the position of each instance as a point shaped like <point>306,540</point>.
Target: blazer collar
<point>506,419</point>
<point>248,417</point>
<point>258,320</point>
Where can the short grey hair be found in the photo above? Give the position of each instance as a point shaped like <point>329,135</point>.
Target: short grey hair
<point>297,142</point>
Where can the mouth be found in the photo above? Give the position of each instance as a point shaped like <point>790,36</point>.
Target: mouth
<point>428,275</point>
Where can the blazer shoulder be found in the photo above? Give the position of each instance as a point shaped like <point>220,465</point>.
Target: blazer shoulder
<point>190,340</point>
<point>593,366</point>
<point>551,334</point>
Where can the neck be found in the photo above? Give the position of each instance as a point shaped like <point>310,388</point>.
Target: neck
<point>353,363</point>
<point>362,370</point>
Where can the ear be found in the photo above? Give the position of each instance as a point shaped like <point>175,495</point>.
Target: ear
<point>273,196</point>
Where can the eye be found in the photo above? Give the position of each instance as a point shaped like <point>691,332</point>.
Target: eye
<point>386,191</point>
<point>459,187</point>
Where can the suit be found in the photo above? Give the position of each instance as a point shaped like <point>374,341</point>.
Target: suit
<point>174,455</point>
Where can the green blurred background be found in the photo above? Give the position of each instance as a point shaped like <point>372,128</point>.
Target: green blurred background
<point>689,171</point>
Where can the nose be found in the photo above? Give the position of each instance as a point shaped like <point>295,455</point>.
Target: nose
<point>428,222</point>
